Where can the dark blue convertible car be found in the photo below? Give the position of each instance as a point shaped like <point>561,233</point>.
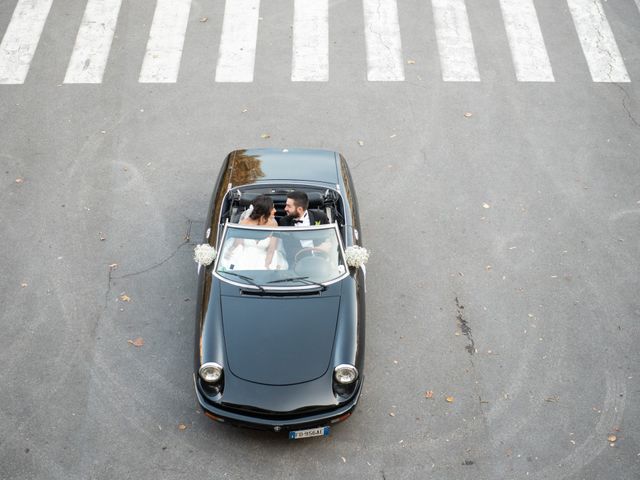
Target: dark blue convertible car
<point>281,348</point>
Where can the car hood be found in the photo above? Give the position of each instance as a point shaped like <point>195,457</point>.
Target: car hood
<point>279,340</point>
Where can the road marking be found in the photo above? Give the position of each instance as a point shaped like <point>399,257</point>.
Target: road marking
<point>383,42</point>
<point>455,43</point>
<point>21,39</point>
<point>598,43</point>
<point>161,62</point>
<point>528,51</point>
<point>93,43</point>
<point>237,54</point>
<point>310,61</point>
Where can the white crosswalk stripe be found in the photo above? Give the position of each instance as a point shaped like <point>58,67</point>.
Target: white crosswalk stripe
<point>311,39</point>
<point>530,57</point>
<point>310,61</point>
<point>455,43</point>
<point>21,39</point>
<point>166,39</point>
<point>384,46</point>
<point>93,43</point>
<point>598,44</point>
<point>237,54</point>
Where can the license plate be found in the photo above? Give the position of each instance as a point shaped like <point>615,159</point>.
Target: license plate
<point>311,432</point>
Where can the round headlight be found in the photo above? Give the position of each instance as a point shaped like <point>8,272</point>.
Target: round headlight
<point>210,372</point>
<point>345,374</point>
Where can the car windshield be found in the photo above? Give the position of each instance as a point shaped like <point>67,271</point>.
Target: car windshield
<point>282,257</point>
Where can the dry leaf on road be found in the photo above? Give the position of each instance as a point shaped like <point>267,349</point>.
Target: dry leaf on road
<point>265,135</point>
<point>138,342</point>
<point>182,426</point>
<point>428,394</point>
<point>124,297</point>
<point>450,399</point>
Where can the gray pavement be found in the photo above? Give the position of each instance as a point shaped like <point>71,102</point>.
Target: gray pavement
<point>503,277</point>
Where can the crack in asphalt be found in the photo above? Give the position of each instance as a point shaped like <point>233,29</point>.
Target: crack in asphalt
<point>186,241</point>
<point>624,105</point>
<point>380,36</point>
<point>600,38</point>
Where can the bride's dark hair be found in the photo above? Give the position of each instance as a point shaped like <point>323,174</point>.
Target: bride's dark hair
<point>262,206</point>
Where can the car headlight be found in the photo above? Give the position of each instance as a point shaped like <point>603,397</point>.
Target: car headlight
<point>345,374</point>
<point>210,372</point>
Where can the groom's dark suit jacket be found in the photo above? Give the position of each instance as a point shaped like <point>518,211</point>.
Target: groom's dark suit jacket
<point>314,216</point>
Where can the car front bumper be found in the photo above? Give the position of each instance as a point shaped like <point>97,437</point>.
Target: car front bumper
<point>320,419</point>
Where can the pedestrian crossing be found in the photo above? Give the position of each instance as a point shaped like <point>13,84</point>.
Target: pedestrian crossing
<point>310,39</point>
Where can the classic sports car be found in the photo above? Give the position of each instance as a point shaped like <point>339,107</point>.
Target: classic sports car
<point>281,348</point>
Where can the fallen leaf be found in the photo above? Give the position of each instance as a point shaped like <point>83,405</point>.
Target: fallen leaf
<point>468,114</point>
<point>19,180</point>
<point>113,266</point>
<point>411,62</point>
<point>138,342</point>
<point>182,426</point>
<point>612,438</point>
<point>391,414</point>
<point>450,399</point>
<point>265,135</point>
<point>124,297</point>
<point>428,394</point>
<point>204,19</point>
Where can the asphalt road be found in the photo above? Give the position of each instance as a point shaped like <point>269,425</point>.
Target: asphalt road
<point>503,218</point>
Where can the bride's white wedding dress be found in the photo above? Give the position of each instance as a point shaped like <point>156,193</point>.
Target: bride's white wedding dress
<point>251,255</point>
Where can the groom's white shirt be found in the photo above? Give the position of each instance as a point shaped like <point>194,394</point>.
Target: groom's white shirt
<point>305,223</point>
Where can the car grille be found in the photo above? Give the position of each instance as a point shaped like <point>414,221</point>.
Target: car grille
<point>270,415</point>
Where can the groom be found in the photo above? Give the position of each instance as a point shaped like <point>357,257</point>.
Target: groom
<point>298,214</point>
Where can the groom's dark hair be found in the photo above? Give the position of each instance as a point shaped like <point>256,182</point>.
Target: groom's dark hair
<point>299,198</point>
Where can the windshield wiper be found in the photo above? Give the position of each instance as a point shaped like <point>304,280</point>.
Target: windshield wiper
<point>300,279</point>
<point>249,280</point>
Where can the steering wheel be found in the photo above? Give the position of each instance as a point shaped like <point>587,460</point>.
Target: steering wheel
<point>309,250</point>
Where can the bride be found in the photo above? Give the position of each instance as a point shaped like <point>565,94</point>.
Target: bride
<point>257,254</point>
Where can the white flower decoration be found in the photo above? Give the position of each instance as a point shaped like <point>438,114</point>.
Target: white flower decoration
<point>204,254</point>
<point>356,256</point>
